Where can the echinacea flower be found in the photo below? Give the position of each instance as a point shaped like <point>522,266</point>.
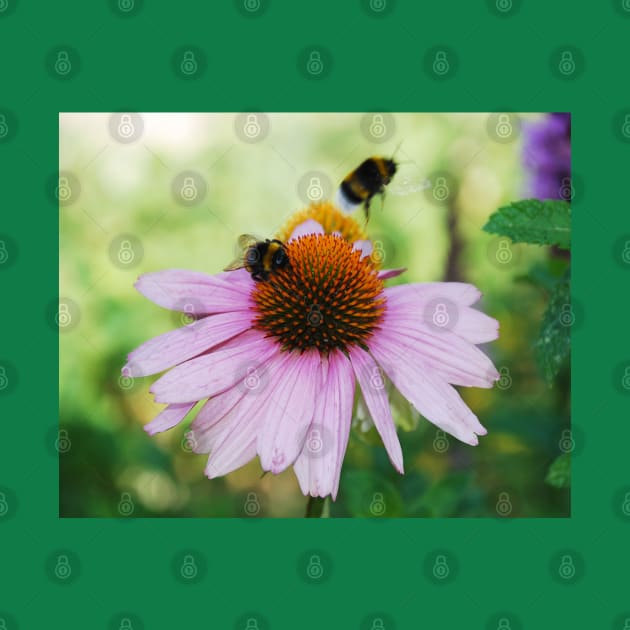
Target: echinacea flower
<point>278,362</point>
<point>547,156</point>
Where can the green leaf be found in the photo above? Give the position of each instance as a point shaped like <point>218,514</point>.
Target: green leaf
<point>559,474</point>
<point>533,221</point>
<point>554,344</point>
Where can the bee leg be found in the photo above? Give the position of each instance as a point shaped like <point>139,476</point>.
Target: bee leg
<point>366,209</point>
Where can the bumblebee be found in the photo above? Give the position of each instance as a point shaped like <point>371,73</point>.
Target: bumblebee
<point>260,258</point>
<point>366,181</point>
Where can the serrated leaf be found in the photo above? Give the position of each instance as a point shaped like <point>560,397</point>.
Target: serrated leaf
<point>533,221</point>
<point>559,473</point>
<point>554,344</point>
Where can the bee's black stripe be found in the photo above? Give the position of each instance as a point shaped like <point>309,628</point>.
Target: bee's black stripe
<point>349,194</point>
<point>369,175</point>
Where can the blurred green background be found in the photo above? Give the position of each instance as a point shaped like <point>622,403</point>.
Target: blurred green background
<point>175,191</point>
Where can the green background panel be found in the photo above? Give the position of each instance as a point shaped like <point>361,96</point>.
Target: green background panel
<point>256,569</point>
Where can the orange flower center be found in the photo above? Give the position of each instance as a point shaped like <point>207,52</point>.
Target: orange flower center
<point>327,297</point>
<point>329,217</point>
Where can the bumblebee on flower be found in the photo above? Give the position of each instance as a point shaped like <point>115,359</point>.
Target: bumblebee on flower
<point>279,354</point>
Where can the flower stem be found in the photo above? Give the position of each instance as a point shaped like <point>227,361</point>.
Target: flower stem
<point>318,507</point>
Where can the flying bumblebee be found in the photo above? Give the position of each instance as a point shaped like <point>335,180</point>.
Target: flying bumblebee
<point>365,182</point>
<point>260,258</point>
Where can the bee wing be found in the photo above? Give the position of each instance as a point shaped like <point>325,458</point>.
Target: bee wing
<point>408,180</point>
<point>239,263</point>
<point>244,242</point>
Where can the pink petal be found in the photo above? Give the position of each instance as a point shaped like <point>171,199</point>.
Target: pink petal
<point>284,422</point>
<point>422,306</point>
<point>171,348</point>
<point>233,453</point>
<point>365,246</point>
<point>475,326</point>
<point>208,425</point>
<point>385,274</point>
<point>375,395</point>
<point>211,374</point>
<point>318,467</point>
<point>168,418</point>
<point>419,294</point>
<point>234,442</point>
<point>433,397</point>
<point>181,290</point>
<point>310,226</point>
<point>453,358</point>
